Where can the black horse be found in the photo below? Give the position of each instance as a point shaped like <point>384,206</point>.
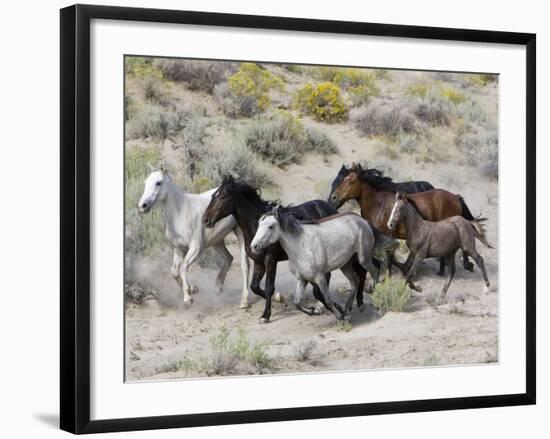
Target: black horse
<point>241,200</point>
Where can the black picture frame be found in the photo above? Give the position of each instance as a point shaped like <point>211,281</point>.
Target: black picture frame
<point>75,217</point>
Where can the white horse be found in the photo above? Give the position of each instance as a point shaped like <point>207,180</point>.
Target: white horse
<point>318,247</point>
<point>185,232</point>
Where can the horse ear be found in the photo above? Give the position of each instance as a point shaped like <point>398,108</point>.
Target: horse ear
<point>150,167</point>
<point>401,195</point>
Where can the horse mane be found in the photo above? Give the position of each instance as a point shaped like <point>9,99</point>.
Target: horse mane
<point>288,222</point>
<point>377,179</point>
<point>250,192</point>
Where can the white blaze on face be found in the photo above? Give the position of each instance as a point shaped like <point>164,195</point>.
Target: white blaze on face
<point>267,233</point>
<point>151,191</point>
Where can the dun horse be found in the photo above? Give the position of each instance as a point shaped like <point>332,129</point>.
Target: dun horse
<point>320,247</point>
<point>440,239</point>
<point>243,202</point>
<point>376,196</point>
<point>185,232</point>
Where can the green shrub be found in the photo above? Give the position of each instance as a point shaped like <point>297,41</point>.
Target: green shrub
<point>141,67</point>
<point>322,101</point>
<point>431,110</point>
<point>143,233</point>
<point>360,84</point>
<point>197,74</point>
<point>481,151</point>
<point>157,122</point>
<point>282,139</point>
<point>233,105</point>
<point>385,118</point>
<point>229,355</point>
<point>418,90</point>
<point>391,294</point>
<point>235,158</point>
<point>481,80</point>
<point>452,95</point>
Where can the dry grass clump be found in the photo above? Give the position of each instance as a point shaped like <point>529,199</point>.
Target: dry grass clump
<point>227,355</point>
<point>392,294</point>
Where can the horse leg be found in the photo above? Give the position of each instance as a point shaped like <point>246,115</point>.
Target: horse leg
<point>354,282</point>
<point>271,271</point>
<point>466,263</point>
<point>227,259</point>
<point>300,288</point>
<point>176,263</point>
<point>362,274</point>
<point>320,307</point>
<point>481,264</point>
<point>451,258</point>
<point>416,261</point>
<point>441,271</point>
<point>188,259</point>
<point>245,268</point>
<point>257,276</point>
<point>332,306</point>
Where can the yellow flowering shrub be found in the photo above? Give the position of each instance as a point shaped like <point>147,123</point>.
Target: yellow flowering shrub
<point>322,101</point>
<point>359,83</point>
<point>418,90</point>
<point>453,96</point>
<point>253,81</point>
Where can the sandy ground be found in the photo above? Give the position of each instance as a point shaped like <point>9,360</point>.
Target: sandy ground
<point>168,343</point>
<point>462,331</point>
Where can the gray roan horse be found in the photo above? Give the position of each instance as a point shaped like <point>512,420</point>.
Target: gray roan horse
<point>186,233</point>
<point>317,247</point>
<point>437,239</point>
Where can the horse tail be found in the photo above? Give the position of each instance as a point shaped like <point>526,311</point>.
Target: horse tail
<point>479,232</point>
<point>465,210</point>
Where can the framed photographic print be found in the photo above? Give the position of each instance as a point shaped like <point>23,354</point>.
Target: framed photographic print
<point>268,218</point>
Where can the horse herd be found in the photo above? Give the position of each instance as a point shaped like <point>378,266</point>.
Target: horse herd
<point>314,237</point>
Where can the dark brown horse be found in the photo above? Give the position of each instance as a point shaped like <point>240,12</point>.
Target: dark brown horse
<point>375,194</point>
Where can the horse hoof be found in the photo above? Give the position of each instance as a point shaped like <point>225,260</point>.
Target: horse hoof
<point>194,290</point>
<point>264,320</point>
<point>278,297</point>
<point>362,307</point>
<point>244,305</point>
<point>187,303</point>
